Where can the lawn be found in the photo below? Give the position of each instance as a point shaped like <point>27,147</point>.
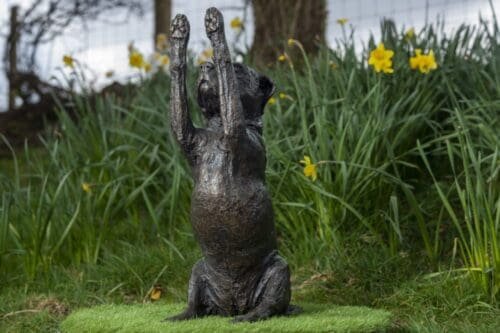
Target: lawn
<point>403,218</point>
<point>147,318</point>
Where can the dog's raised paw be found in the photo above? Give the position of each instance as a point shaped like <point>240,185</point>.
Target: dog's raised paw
<point>214,23</point>
<point>180,27</point>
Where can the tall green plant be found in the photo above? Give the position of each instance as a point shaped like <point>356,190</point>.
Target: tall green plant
<point>472,203</point>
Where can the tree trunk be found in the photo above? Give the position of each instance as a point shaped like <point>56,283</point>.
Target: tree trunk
<point>278,20</point>
<point>163,12</point>
<point>12,51</point>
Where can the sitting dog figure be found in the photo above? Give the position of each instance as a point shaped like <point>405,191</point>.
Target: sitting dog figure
<point>241,273</point>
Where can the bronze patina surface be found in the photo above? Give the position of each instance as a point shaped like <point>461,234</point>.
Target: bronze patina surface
<point>241,273</point>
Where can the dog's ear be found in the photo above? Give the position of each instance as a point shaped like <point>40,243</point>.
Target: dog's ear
<point>266,88</point>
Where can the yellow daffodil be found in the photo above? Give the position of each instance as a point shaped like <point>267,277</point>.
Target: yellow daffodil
<point>409,34</point>
<point>147,67</point>
<point>282,58</point>
<point>236,23</point>
<point>333,65</point>
<point>155,293</point>
<point>163,60</point>
<point>381,59</point>
<point>208,53</point>
<point>68,61</point>
<point>87,188</point>
<point>282,95</point>
<point>342,21</point>
<point>161,42</point>
<point>310,169</point>
<point>415,60</point>
<point>423,62</point>
<point>205,56</point>
<point>136,59</point>
<point>271,101</point>
<point>293,42</point>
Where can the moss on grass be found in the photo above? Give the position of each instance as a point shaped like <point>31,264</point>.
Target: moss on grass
<point>147,319</point>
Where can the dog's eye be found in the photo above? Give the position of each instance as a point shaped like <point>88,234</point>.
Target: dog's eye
<point>206,65</point>
<point>237,67</point>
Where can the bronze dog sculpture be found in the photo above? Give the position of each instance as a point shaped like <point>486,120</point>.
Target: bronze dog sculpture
<point>241,273</point>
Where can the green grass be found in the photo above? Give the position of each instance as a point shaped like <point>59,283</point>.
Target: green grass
<point>409,188</point>
<point>441,303</point>
<point>147,319</point>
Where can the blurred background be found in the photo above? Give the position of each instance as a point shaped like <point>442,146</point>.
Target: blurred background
<point>97,33</point>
